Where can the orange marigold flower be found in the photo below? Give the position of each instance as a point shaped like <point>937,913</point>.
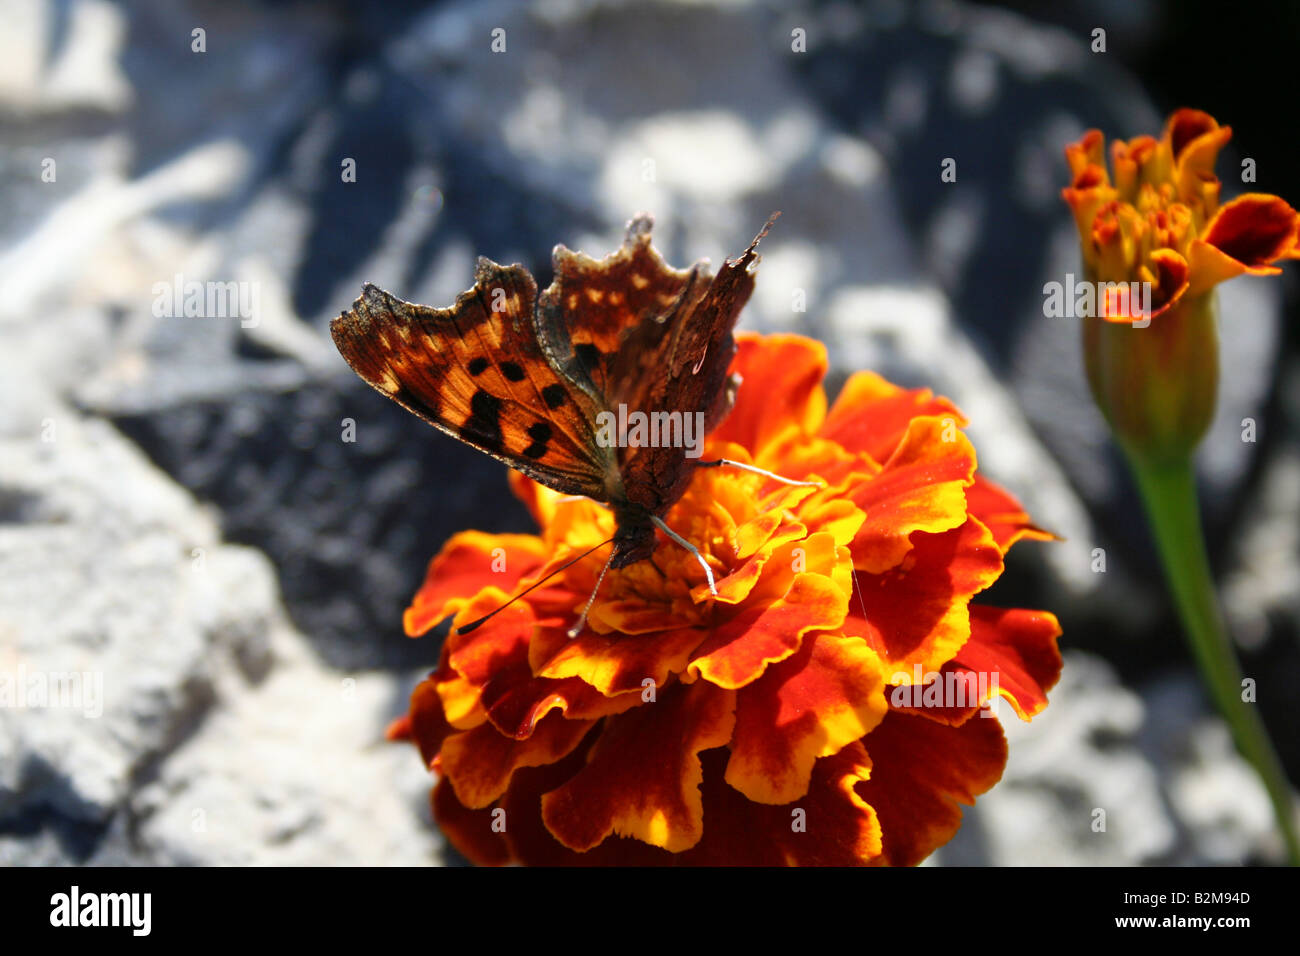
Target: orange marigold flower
<point>791,719</point>
<point>1159,219</point>
<point>1158,222</point>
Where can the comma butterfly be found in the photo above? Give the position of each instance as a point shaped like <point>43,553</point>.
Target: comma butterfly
<point>536,382</point>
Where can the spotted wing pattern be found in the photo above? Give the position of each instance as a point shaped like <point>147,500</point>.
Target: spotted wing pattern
<point>478,372</point>
<point>524,377</point>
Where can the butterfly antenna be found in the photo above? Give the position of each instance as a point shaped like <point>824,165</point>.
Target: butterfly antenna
<point>568,564</point>
<point>708,572</point>
<point>582,618</point>
<point>853,573</point>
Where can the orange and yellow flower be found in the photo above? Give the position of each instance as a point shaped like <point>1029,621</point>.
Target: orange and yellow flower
<point>1154,370</point>
<point>774,723</point>
<point>1158,220</point>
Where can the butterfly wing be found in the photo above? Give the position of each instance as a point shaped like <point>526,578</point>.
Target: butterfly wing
<point>651,338</point>
<point>479,372</point>
<point>692,356</point>
<point>588,312</point>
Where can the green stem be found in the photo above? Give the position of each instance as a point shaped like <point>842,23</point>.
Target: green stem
<point>1168,490</point>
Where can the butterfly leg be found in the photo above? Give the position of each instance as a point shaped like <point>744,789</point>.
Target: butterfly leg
<point>756,470</point>
<point>582,618</point>
<point>708,572</point>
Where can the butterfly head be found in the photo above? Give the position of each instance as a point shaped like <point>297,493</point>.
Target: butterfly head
<point>635,538</point>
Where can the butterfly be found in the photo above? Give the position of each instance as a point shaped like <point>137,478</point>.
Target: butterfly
<point>534,380</point>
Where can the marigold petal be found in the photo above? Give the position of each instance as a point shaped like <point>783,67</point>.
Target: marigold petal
<point>633,616</point>
<point>1208,266</point>
<point>1173,280</point>
<point>839,518</point>
<point>799,457</point>
<point>736,586</point>
<point>1011,653</point>
<point>830,825</point>
<point>999,511</point>
<point>1186,127</point>
<point>872,415</point>
<point>1254,228</point>
<point>532,844</point>
<point>1130,161</point>
<point>921,488</point>
<point>479,762</point>
<point>1019,647</point>
<point>758,530</point>
<point>500,641</point>
<point>469,562</point>
<point>517,701</point>
<point>399,730</point>
<point>916,615</point>
<point>737,652</point>
<point>952,698</point>
<point>427,723</point>
<point>791,366</point>
<point>471,832</point>
<point>461,701</point>
<point>643,776</point>
<point>920,770</point>
<point>1194,180</point>
<point>619,664</point>
<point>826,695</point>
<point>488,674</point>
<point>1087,153</point>
<point>470,661</point>
<point>538,499</point>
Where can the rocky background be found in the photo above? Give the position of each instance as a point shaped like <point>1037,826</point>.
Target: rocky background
<point>179,511</point>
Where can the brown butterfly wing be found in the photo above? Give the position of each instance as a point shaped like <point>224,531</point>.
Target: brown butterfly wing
<point>593,305</point>
<point>687,372</point>
<point>479,372</point>
<point>650,337</point>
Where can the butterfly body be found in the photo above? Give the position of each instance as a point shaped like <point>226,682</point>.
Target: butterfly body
<point>524,377</point>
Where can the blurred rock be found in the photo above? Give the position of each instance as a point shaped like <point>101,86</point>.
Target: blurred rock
<point>110,573</point>
<point>62,59</point>
<point>1263,581</point>
<point>1103,777</point>
<point>1076,758</point>
<point>296,772</point>
<point>350,525</point>
<point>1212,793</point>
<point>185,721</point>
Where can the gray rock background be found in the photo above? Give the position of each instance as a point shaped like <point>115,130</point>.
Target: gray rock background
<point>180,515</point>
